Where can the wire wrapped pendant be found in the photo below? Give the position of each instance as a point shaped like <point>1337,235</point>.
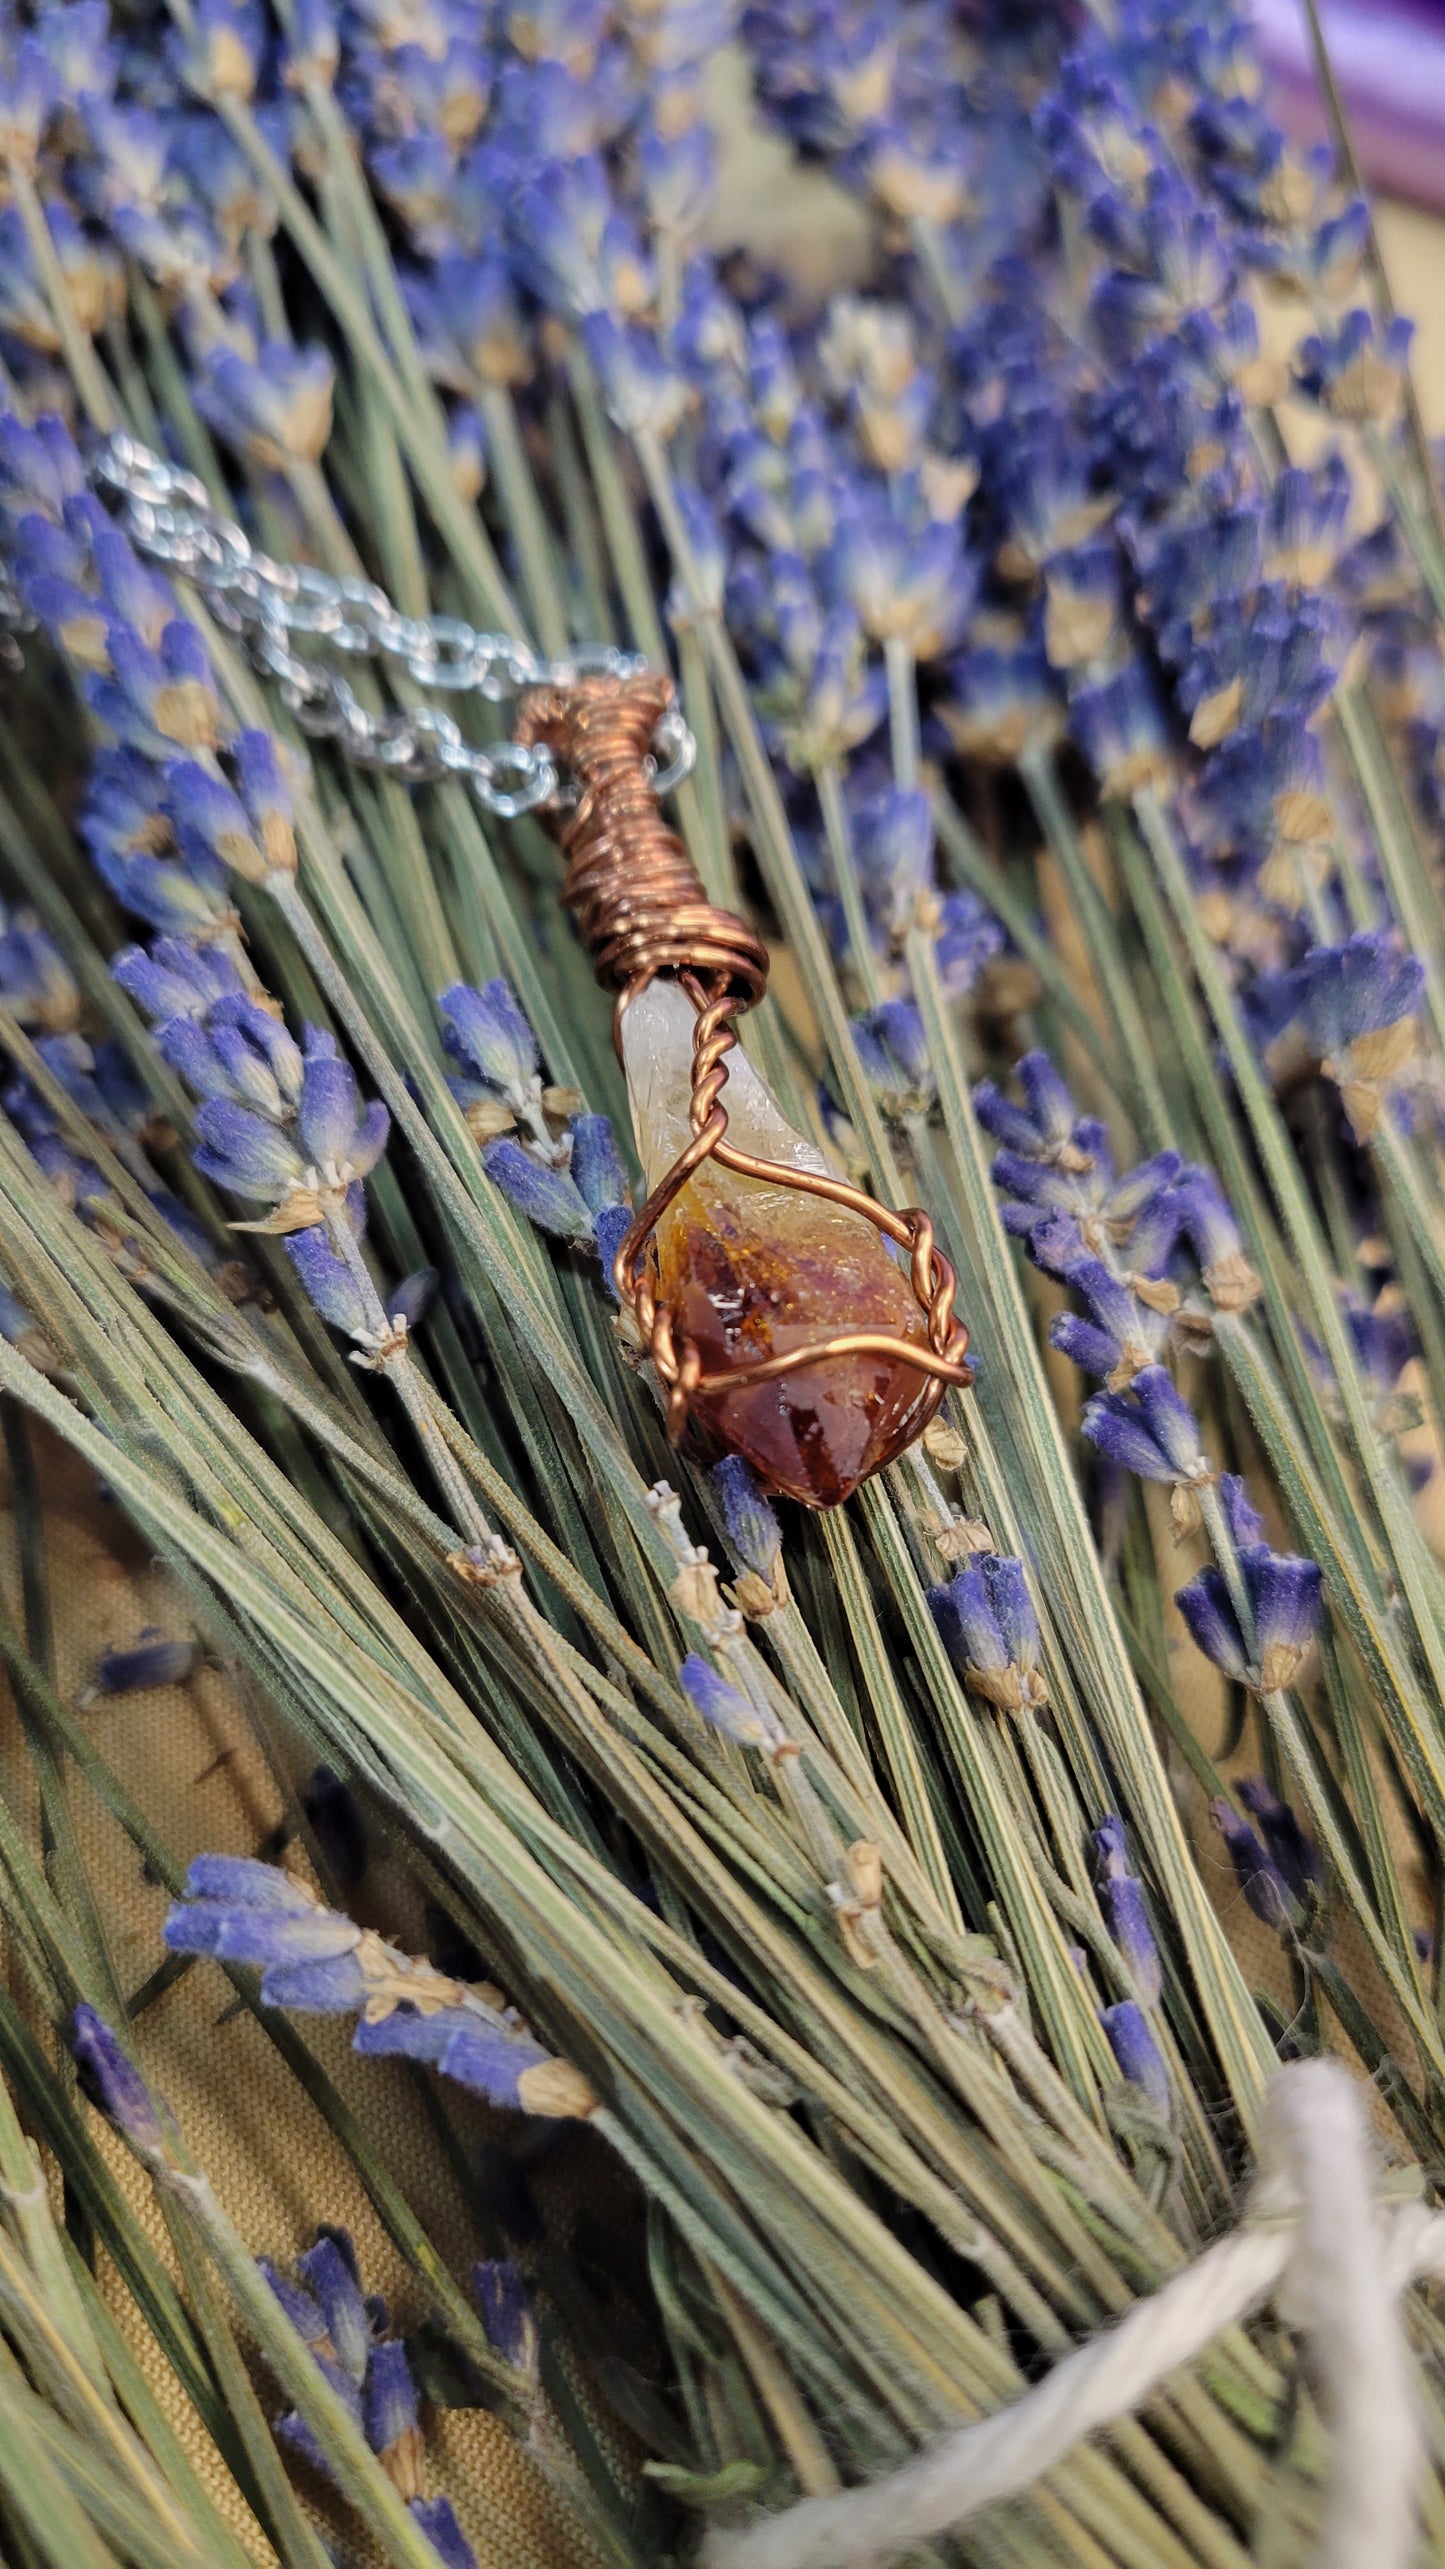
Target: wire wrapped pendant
<point>765,1292</point>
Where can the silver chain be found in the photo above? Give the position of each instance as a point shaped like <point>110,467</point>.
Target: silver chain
<point>167,516</point>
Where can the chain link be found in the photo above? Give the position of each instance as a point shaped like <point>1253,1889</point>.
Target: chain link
<point>167,515</point>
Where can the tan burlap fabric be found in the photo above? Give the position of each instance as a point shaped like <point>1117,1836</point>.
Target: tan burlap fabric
<point>188,1756</point>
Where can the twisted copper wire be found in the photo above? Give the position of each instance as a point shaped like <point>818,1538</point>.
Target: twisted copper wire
<point>642,910</point>
<point>640,904</point>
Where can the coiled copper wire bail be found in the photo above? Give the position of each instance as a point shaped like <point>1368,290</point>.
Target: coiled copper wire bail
<point>639,901</point>
<point>642,910</point>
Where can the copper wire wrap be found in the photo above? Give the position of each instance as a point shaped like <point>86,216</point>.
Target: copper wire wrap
<point>642,910</point>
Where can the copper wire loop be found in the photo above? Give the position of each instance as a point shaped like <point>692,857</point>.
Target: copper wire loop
<point>642,910</point>
<point>639,902</point>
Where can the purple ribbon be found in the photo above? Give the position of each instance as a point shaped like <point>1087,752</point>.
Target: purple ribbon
<point>1389,60</point>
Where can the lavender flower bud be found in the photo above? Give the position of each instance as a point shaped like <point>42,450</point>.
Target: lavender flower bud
<point>1150,1429</point>
<point>327,1282</point>
<point>969,939</point>
<point>1296,1855</point>
<point>597,1168</point>
<point>267,797</point>
<point>35,979</point>
<point>341,1140</point>
<point>438,2520</point>
<point>1285,1592</point>
<point>1245,1522</point>
<point>412,1299</point>
<point>203,808</point>
<point>329,2270</point>
<point>245,1154</point>
<point>893,1055</point>
<point>244,1882</point>
<point>1207,1222</point>
<point>547,1196</point>
<point>119,2087</point>
<point>1121,1898</point>
<point>1264,1886</point>
<point>644,395</point>
<point>722,1706</point>
<point>487,1028</point>
<point>304,2313</point>
<point>754,1535</point>
<point>507,2313</point>
<point>1208,1610</point>
<point>1353,372</point>
<point>391,2416</point>
<point>507,2068</point>
<point>175,979</point>
<point>1140,2060</point>
<point>275,408</point>
<point>149,1662</point>
<point>609,1229</point>
<point>260,1937</point>
<point>986,1620</point>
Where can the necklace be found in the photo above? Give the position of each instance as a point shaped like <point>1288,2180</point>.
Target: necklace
<point>764,1289</point>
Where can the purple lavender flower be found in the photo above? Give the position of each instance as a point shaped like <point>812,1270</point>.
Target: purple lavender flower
<point>1264,1886</point>
<point>1360,988</point>
<point>1296,1855</point>
<point>438,2520</point>
<point>391,2415</point>
<point>151,1661</point>
<point>303,2311</point>
<point>262,1937</point>
<point>749,1520</point>
<point>1140,2060</point>
<point>969,938</point>
<point>1150,1429</point>
<point>342,1140</point>
<point>1284,1593</point>
<point>986,1620</point>
<point>1125,1333</point>
<point>35,980</point>
<point>209,817</point>
<point>247,1155</point>
<point>238,1050</point>
<point>893,1056</point>
<point>328,1282</point>
<point>176,980</point>
<point>1356,371</point>
<point>120,2088</point>
<point>1123,731</point>
<point>721,1705</point>
<point>547,1196</point>
<point>274,407</point>
<point>241,1911</point>
<point>329,2272</point>
<point>1122,1899</point>
<point>507,2313</point>
<point>487,1029</point>
<point>1046,1126</point>
<point>601,1180</point>
<point>295,2430</point>
<point>1206,1220</point>
<point>411,1299</point>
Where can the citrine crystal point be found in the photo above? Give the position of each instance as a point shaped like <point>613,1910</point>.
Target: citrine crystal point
<point>751,1270</point>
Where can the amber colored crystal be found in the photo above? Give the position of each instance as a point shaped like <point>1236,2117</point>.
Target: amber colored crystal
<point>751,1270</point>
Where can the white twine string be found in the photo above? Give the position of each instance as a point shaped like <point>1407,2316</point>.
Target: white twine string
<point>1311,2235</point>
